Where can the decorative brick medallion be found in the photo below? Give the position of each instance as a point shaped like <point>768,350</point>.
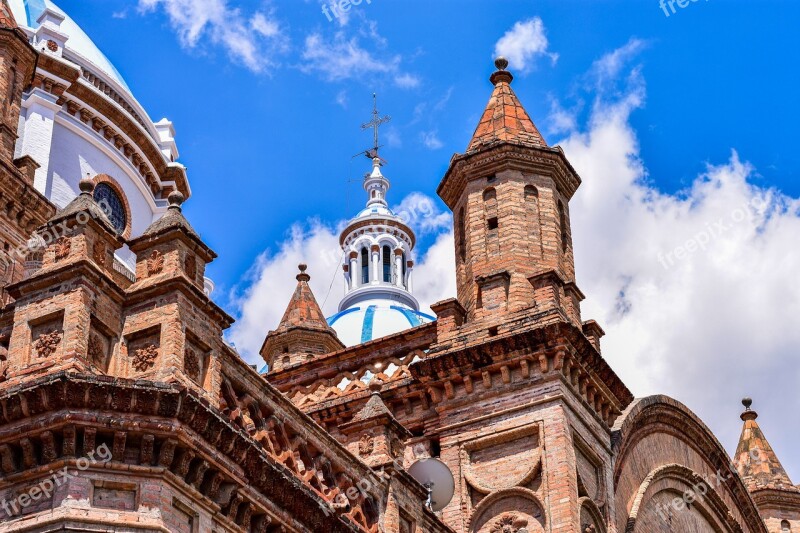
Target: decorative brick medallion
<point>191,364</point>
<point>155,263</point>
<point>63,246</point>
<point>365,445</point>
<point>145,357</point>
<point>190,266</point>
<point>47,343</point>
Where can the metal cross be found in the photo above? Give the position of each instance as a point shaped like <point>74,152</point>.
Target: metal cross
<point>375,123</point>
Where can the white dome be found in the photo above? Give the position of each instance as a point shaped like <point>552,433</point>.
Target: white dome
<point>26,12</point>
<point>374,319</point>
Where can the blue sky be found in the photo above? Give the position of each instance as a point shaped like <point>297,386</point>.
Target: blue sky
<point>675,123</point>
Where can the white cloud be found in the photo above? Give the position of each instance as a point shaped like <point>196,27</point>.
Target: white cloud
<point>252,40</point>
<point>342,57</point>
<point>710,327</point>
<point>270,283</point>
<point>434,275</point>
<point>406,81</point>
<point>341,98</point>
<point>523,44</point>
<point>422,213</point>
<point>430,139</point>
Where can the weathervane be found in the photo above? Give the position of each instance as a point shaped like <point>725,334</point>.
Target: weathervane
<point>375,124</point>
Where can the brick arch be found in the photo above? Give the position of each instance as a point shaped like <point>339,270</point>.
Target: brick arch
<point>675,481</point>
<point>659,431</point>
<point>105,178</point>
<point>509,503</point>
<point>589,511</point>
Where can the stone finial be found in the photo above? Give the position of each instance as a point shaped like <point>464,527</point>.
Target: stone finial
<point>86,185</point>
<point>748,413</point>
<point>176,199</point>
<point>302,276</point>
<point>501,75</point>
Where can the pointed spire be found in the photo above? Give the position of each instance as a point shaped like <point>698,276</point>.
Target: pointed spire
<point>505,120</point>
<point>755,460</point>
<point>303,309</point>
<point>303,332</point>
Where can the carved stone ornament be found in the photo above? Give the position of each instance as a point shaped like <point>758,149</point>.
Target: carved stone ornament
<point>47,343</point>
<point>63,246</point>
<point>191,364</point>
<point>95,350</point>
<point>99,253</point>
<point>155,263</point>
<point>509,523</point>
<point>52,45</point>
<point>365,445</point>
<point>190,266</point>
<point>145,357</point>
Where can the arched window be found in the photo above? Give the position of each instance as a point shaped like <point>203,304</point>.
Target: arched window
<point>364,266</point>
<point>404,268</point>
<point>12,86</point>
<point>111,204</point>
<point>492,222</point>
<point>533,221</point>
<point>462,237</point>
<point>490,206</point>
<point>786,527</point>
<point>562,222</point>
<point>387,264</point>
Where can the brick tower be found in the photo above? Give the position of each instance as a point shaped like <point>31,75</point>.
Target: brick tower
<point>27,208</point>
<point>510,196</point>
<point>303,333</point>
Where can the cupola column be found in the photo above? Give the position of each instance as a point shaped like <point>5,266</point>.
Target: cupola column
<point>376,258</point>
<point>354,278</point>
<point>398,265</point>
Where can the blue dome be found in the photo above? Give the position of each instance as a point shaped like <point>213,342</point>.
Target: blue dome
<point>372,320</point>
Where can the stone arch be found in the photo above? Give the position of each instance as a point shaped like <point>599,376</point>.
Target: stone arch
<point>508,510</point>
<point>659,436</point>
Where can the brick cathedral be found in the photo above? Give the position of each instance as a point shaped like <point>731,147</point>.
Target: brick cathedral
<point>122,408</point>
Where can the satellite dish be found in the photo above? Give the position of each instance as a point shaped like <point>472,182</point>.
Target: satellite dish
<point>437,478</point>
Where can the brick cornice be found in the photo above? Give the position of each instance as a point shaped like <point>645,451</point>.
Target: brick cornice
<point>73,393</point>
<point>504,156</point>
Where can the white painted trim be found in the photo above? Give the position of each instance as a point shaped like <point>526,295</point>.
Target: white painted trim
<point>83,131</point>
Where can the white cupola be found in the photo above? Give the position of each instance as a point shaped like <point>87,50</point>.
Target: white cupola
<point>378,263</point>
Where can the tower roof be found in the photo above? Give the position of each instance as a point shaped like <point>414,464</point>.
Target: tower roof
<point>303,333</point>
<point>84,203</point>
<point>504,119</point>
<point>303,309</point>
<point>755,459</point>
